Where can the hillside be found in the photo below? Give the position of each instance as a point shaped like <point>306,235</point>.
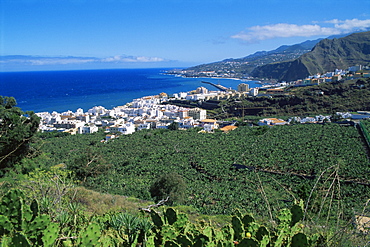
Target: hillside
<point>311,180</point>
<point>326,98</point>
<point>327,55</point>
<point>244,66</point>
<point>287,155</point>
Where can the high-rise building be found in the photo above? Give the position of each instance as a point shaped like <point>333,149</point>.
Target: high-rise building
<point>243,87</point>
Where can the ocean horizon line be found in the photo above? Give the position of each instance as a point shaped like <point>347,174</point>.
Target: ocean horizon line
<point>64,90</point>
<point>89,69</point>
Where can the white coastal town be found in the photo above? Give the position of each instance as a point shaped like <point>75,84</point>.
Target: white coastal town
<point>144,113</point>
<point>154,112</point>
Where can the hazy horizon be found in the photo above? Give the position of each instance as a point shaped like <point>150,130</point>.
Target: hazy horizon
<point>115,34</point>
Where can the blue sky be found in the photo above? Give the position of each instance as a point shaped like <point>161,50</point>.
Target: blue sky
<point>92,34</point>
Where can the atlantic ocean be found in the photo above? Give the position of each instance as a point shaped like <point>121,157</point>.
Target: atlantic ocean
<point>61,91</point>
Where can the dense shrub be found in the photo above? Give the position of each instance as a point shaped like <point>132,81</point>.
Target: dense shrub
<point>168,185</point>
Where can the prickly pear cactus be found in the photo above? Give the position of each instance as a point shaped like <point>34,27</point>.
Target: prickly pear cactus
<point>218,235</point>
<point>90,236</point>
<point>200,240</point>
<point>247,220</point>
<point>157,220</point>
<point>183,240</point>
<point>297,214</point>
<point>228,232</point>
<point>181,222</point>
<point>243,231</point>
<point>168,232</point>
<point>261,232</point>
<point>22,223</point>
<point>171,216</point>
<point>50,234</point>
<point>5,225</point>
<point>265,241</point>
<point>34,229</point>
<point>11,206</point>
<point>285,217</point>
<point>34,209</point>
<point>208,231</point>
<point>20,240</point>
<point>248,243</point>
<point>238,213</point>
<point>299,240</point>
<point>238,228</point>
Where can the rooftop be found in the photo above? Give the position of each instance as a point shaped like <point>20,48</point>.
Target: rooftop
<point>208,121</point>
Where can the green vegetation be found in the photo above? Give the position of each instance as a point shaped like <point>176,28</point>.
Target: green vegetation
<point>365,126</point>
<point>16,131</point>
<point>25,225</point>
<point>290,63</point>
<point>326,98</point>
<point>170,187</point>
<point>280,161</point>
<point>303,184</point>
<point>242,67</point>
<point>327,55</point>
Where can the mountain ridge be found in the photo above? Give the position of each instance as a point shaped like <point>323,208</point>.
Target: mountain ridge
<point>245,65</point>
<point>327,55</point>
<point>272,64</point>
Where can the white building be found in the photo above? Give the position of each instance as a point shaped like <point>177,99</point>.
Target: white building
<point>202,90</point>
<point>271,122</point>
<point>308,120</point>
<point>143,126</point>
<point>321,118</point>
<point>254,91</point>
<point>88,129</point>
<point>79,112</point>
<point>183,95</point>
<point>209,125</point>
<point>355,68</point>
<point>97,110</point>
<point>197,114</point>
<point>183,113</point>
<point>127,129</point>
<point>195,97</point>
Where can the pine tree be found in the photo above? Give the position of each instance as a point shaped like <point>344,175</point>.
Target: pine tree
<point>16,130</point>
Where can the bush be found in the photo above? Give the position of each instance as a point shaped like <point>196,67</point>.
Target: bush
<point>169,185</point>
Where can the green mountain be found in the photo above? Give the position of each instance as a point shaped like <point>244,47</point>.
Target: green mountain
<point>327,55</point>
<point>245,65</point>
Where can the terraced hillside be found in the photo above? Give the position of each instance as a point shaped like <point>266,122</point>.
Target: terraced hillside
<point>256,169</point>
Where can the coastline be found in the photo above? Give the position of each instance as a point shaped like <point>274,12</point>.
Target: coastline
<point>69,90</point>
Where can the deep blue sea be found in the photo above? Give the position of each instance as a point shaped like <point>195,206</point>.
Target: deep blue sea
<point>60,91</point>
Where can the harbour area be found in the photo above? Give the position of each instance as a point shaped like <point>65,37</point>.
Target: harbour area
<point>156,111</point>
<point>147,112</point>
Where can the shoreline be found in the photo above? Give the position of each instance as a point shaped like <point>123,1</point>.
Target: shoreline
<point>70,90</point>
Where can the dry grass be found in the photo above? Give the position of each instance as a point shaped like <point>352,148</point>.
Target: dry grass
<point>101,203</point>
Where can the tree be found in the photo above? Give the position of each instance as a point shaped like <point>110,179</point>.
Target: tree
<point>16,130</point>
<point>168,185</point>
<point>173,126</point>
<point>89,164</point>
